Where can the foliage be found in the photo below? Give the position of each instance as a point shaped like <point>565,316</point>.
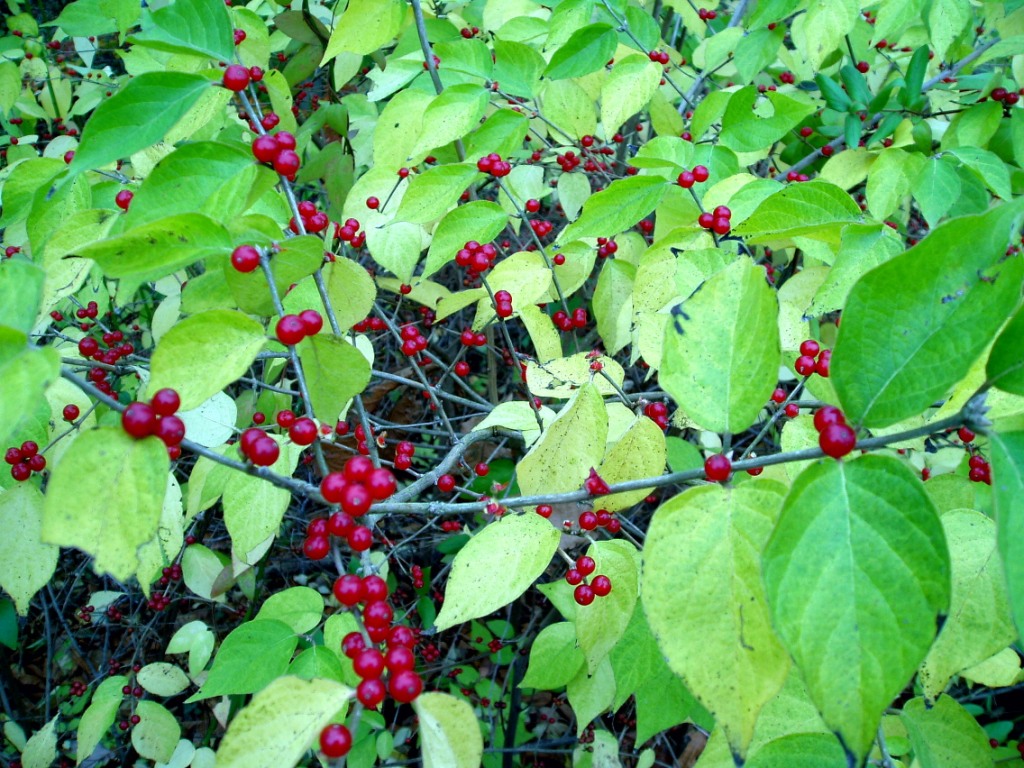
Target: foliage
<point>619,291</point>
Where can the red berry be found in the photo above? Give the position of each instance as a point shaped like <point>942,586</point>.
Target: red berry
<point>377,614</point>
<point>303,431</point>
<point>588,520</point>
<point>355,499</point>
<point>287,162</point>
<point>720,225</point>
<point>352,644</point>
<point>139,420</point>
<point>824,361</point>
<point>405,686</point>
<point>779,395</point>
<point>369,664</point>
<point>312,322</point>
<point>245,258</point>
<point>828,414</point>
<point>335,741</point>
<point>376,588</point>
<point>124,199</point>
<point>601,585</point>
<point>706,220</point>
<point>446,483</point>
<point>170,429</point>
<point>810,348</point>
<point>372,203</point>
<point>290,330</point>
<point>792,410</point>
<point>21,472</point>
<point>837,440</point>
<point>595,485</point>
<point>481,469</point>
<point>371,693</point>
<point>316,547</point>
<point>88,346</point>
<point>236,77</point>
<point>339,524</point>
<point>399,658</point>
<point>332,486</point>
<point>804,365</point>
<point>70,412</point>
<point>264,451</point>
<point>700,173</point>
<point>965,435</point>
<point>544,510</point>
<point>862,67</point>
<point>360,538</point>
<point>573,576</point>
<point>348,590</point>
<point>583,594</point>
<point>358,468</point>
<point>717,468</point>
<point>381,484</point>
<point>586,565</point>
<point>265,148</point>
<point>165,402</point>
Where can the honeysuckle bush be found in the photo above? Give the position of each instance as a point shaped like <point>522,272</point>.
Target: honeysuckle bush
<point>655,372</point>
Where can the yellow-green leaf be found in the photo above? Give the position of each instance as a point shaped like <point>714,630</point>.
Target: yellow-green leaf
<point>449,733</point>
<point>26,562</point>
<point>364,27</point>
<point>627,89</point>
<point>641,452</point>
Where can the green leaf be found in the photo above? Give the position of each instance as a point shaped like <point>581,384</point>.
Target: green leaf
<point>627,90</point>
<point>301,608</point>
<point>702,561</point>
<point>590,695</point>
<point>800,750</point>
<point>318,662</point>
<point>573,192</point>
<point>432,193</point>
<point>365,26</point>
<point>935,189</point>
<point>335,373</point>
<point>600,624</point>
<point>814,209</point>
<point>280,723</point>
<point>757,51</point>
<point>826,24</point>
<point>202,354</point>
<point>1005,368</point>
<point>188,26</point>
<point>916,71</point>
<point>613,304</point>
<point>24,377</point>
<point>664,703</point>
<point>889,180</point>
<point>159,248</point>
<point>945,322</point>
<point>517,67</point>
<point>747,130</point>
<point>449,734</point>
<point>524,545</point>
<point>503,132</point>
<point>26,562</point>
<point>636,658</point>
<point>988,167</point>
<point>616,208</point>
<point>451,115</point>
<point>21,291</point>
<point>41,749</point>
<point>156,734</point>
<point>251,657</point>
<point>862,248</point>
<point>856,574</point>
<point>554,657</point>
<point>945,734</point>
<point>640,452</point>
<point>587,50</point>
<point>722,363</point>
<point>253,508</point>
<point>569,109</point>
<point>480,220</point>
<point>1008,500</point>
<point>80,510</point>
<point>297,258</point>
<point>573,443</point>
<point>8,624</point>
<point>979,624</point>
<point>100,715</point>
<point>139,115</point>
<point>163,679</point>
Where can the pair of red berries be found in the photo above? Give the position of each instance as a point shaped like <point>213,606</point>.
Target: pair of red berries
<point>279,150</point>
<point>658,57</point>
<point>813,359</point>
<point>835,437</point>
<point>25,460</point>
<point>494,165</point>
<point>156,418</point>
<point>258,447</point>
<point>236,77</point>
<point>404,451</point>
<point>717,221</point>
<point>313,221</point>
<point>291,329</point>
<point>565,322</point>
<point>471,339</point>
<point>979,470</point>
<point>687,179</point>
<point>595,485</point>
<point>658,413</point>
<point>503,304</point>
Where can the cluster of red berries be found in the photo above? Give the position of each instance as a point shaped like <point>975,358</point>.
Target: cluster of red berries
<point>89,311</point>
<point>370,324</point>
<point>687,179</point>
<point>595,485</point>
<point>979,470</point>
<point>349,233</point>
<point>158,601</point>
<point>413,342</point>
<point>468,32</point>
<point>258,447</point>
<point>355,488</point>
<point>437,62</point>
<point>85,613</point>
<point>568,161</point>
<point>417,577</point>
<point>291,329</point>
<point>156,418</point>
<point>565,322</point>
<point>503,304</point>
<point>718,221</point>
<point>797,177</point>
<point>706,15</point>
<point>494,165</point>
<point>475,257</point>
<point>658,57</point>
<point>658,413</point>
<point>279,150</point>
<point>301,430</point>
<point>404,452</point>
<point>590,520</point>
<point>1008,98</point>
<point>813,359</point>
<point>471,339</point>
<point>123,198</point>
<point>313,221</point>
<point>78,688</point>
<point>541,227</point>
<point>586,590</point>
<point>117,347</point>
<point>606,247</point>
<point>25,460</point>
<point>835,437</point>
<point>170,573</point>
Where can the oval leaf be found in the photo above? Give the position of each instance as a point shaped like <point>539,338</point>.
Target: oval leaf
<point>449,734</point>
<point>617,208</point>
<point>26,562</point>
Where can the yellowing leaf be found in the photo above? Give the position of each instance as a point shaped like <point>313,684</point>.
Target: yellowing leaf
<point>639,453</point>
<point>574,442</point>
<point>449,733</point>
<point>364,27</point>
<point>80,510</point>
<point>522,544</point>
<point>451,115</point>
<point>204,353</point>
<point>627,89</point>
<point>600,624</point>
<point>26,563</point>
<point>280,723</point>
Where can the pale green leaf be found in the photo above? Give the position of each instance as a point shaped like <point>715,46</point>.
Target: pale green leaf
<point>945,734</point>
<point>800,750</point>
<point>432,193</point>
<point>814,209</point>
<point>600,625</point>
<point>744,130</point>
<point>587,50</point>
<point>889,180</point>
<point>480,220</point>
<point>253,508</point>
<point>857,573</point>
<point>281,723</point>
<point>590,695</point>
<point>202,354</point>
<point>721,356</point>
<point>555,659</point>
<point>100,715</point>
<point>825,25</point>
<point>301,608</point>
<point>364,27</point>
<point>449,734</point>
<point>862,248</point>
<point>616,208</point>
<point>156,735</point>
<point>613,304</point>
<point>451,115</point>
<point>41,749</point>
<point>935,189</point>
<point>335,373</point>
<point>188,26</point>
<point>569,109</point>
<point>24,377</point>
<point>702,560</point>
<point>251,657</point>
<point>641,452</point>
<point>79,510</point>
<point>26,562</point>
<point>627,90</point>
<point>524,545</point>
<point>573,191</point>
<point>162,679</point>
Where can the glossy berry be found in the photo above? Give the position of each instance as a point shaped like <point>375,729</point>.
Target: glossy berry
<point>139,420</point>
<point>170,429</point>
<point>70,412</point>
<point>165,402</point>
<point>810,348</point>
<point>236,77</point>
<point>352,644</point>
<point>332,486</point>
<point>358,468</point>
<point>265,148</point>
<point>446,483</point>
<point>583,594</point>
<point>124,199</point>
<point>360,538</point>
<point>287,162</point>
<point>779,395</point>
<point>700,173</point>
<point>405,686</point>
<point>601,585</point>
<point>399,658</point>
<point>335,741</point>
<point>369,664</point>
<point>481,469</point>
<point>837,440</point>
<point>965,435</point>
<point>821,367</point>
<point>461,368</point>
<point>372,203</point>
<point>245,258</point>
<point>717,468</point>
<point>290,330</point>
<point>588,520</point>
<point>376,588</point>
<point>573,577</point>
<point>544,510</point>
<point>312,321</point>
<point>586,565</point>
<point>381,484</point>
<point>355,499</point>
<point>339,524</point>
<point>264,452</point>
<point>828,414</point>
<point>804,365</point>
<point>371,693</point>
<point>377,614</point>
<point>303,431</point>
<point>316,547</point>
<point>595,485</point>
<point>792,410</point>
<point>348,590</point>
